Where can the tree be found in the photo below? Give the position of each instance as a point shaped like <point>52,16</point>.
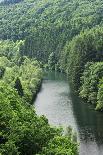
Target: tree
<point>2,70</point>
<point>18,87</point>
<point>52,61</point>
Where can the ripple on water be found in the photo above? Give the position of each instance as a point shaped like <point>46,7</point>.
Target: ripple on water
<point>62,107</point>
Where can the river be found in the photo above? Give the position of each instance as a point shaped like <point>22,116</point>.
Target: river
<point>62,107</point>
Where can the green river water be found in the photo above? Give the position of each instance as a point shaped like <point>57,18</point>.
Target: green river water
<point>61,106</point>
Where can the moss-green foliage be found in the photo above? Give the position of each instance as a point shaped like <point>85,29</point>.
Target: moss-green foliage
<point>100,96</point>
<point>35,29</point>
<point>91,88</point>
<point>48,24</point>
<point>29,74</point>
<point>71,30</point>
<point>4,62</point>
<point>51,61</point>
<point>59,146</point>
<point>70,34</point>
<point>19,125</point>
<point>87,46</point>
<point>23,132</point>
<point>10,49</point>
<point>58,23</point>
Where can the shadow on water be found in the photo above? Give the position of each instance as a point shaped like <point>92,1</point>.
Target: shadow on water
<point>62,107</point>
<point>90,127</point>
<point>55,76</point>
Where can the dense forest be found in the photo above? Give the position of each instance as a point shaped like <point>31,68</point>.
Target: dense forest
<point>64,35</point>
<point>21,130</point>
<point>61,35</point>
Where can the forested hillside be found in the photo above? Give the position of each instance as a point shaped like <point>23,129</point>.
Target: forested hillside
<point>24,49</point>
<point>48,25</point>
<point>21,130</point>
<point>63,35</point>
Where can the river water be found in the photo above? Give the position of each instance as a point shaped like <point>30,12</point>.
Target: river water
<point>62,107</point>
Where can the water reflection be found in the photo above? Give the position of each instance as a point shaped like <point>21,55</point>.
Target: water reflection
<point>90,127</point>
<point>62,107</point>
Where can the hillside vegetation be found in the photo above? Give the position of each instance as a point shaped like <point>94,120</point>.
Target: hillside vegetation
<point>64,35</point>
<point>23,51</point>
<point>47,25</point>
<point>21,130</point>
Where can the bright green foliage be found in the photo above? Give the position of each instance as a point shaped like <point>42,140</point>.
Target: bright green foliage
<point>23,132</point>
<point>10,49</point>
<point>88,46</point>
<point>64,34</point>
<point>91,89</point>
<point>29,74</point>
<point>21,128</point>
<point>4,62</point>
<point>60,146</point>
<point>56,26</point>
<point>48,26</point>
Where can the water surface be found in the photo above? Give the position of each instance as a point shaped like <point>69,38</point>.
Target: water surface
<point>62,107</point>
